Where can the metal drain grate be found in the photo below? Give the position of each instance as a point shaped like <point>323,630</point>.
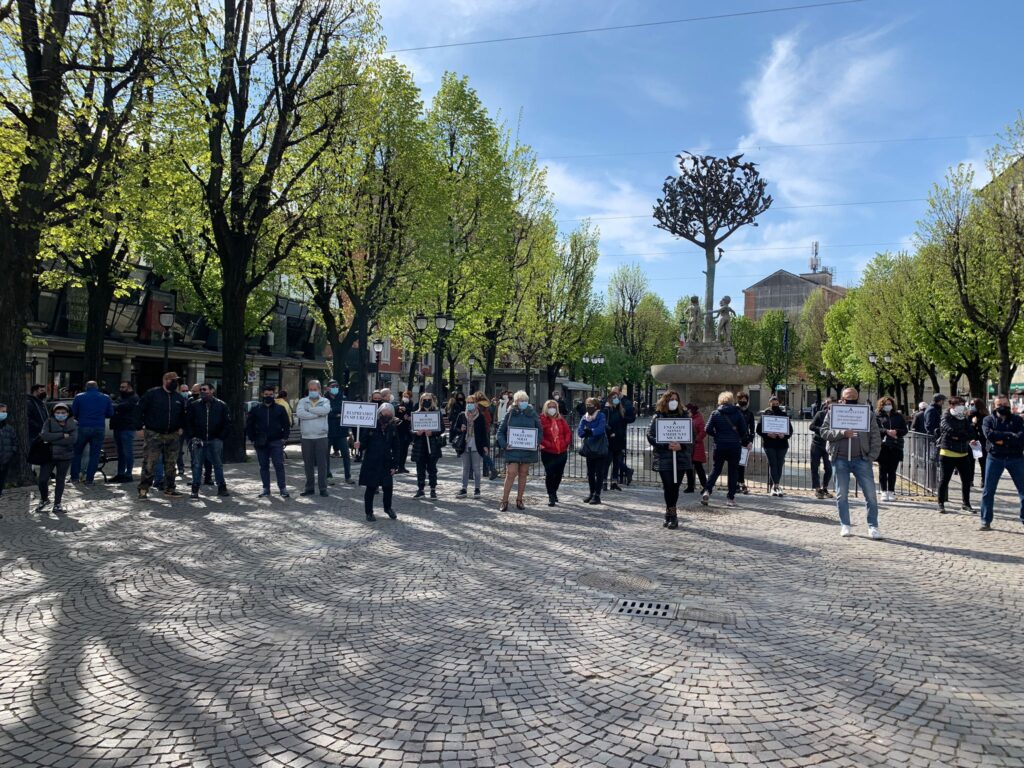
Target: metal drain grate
<point>706,615</point>
<point>615,581</point>
<point>650,609</point>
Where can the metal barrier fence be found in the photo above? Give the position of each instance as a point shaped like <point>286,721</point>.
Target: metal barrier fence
<point>916,475</point>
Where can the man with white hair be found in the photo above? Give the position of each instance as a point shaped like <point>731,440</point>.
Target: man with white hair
<point>917,423</point>
<point>313,412</point>
<point>854,453</point>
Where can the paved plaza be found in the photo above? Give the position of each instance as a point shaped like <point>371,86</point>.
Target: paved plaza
<point>251,632</point>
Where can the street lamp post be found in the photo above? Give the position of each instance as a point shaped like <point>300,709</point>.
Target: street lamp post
<point>167,321</point>
<point>421,322</point>
<point>445,324</point>
<point>873,359</point>
<point>378,347</point>
<point>472,362</point>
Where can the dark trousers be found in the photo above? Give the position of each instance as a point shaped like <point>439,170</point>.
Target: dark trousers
<point>720,457</point>
<point>371,491</point>
<point>617,463</point>
<point>888,460</point>
<point>3,473</point>
<point>776,455</point>
<point>981,463</point>
<point>426,468</point>
<point>403,456</point>
<point>819,453</point>
<point>125,441</point>
<point>554,468</point>
<point>60,469</point>
<point>271,452</point>
<point>698,470</point>
<point>964,465</point>
<point>597,466</point>
<point>340,443</point>
<point>670,486</point>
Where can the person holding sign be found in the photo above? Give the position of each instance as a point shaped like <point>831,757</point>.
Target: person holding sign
<point>426,447</point>
<point>728,426</point>
<point>313,412</point>
<point>554,447</point>
<point>955,453</point>
<point>775,429</point>
<point>469,432</point>
<point>854,443</point>
<point>894,428</point>
<point>380,446</point>
<point>519,438</point>
<point>670,434</point>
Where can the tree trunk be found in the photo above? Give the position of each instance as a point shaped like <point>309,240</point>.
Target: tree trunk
<point>490,350</point>
<point>363,367</point>
<point>413,363</point>
<point>709,292</point>
<point>934,376</point>
<point>1005,365</point>
<point>232,349</point>
<point>100,293</point>
<point>976,379</point>
<point>552,375</point>
<point>918,385</point>
<point>954,383</point>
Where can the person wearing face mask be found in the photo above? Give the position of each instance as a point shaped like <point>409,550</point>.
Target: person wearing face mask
<point>852,454</point>
<point>592,430</point>
<point>917,423</point>
<point>123,425</point>
<point>337,433</point>
<point>456,405</point>
<point>700,453</point>
<point>976,413</point>
<point>379,446</point>
<point>955,436</point>
<point>893,428</point>
<point>554,448</point>
<point>403,412</point>
<point>504,402</point>
<point>206,424</point>
<point>60,431</point>
<point>743,402</point>
<point>426,450</point>
<point>728,427</point>
<point>8,446</point>
<point>160,421</point>
<point>313,413</point>
<point>819,452</point>
<point>518,460</point>
<point>776,445</point>
<point>620,412</point>
<point>663,455</point>
<point>267,427</point>
<point>470,430</point>
<point>487,410</point>
<point>1004,433</point>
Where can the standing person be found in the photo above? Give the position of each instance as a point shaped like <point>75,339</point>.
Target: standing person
<point>699,452</point>
<point>1004,433</point>
<point>456,406</point>
<point>893,429</point>
<point>426,450</point>
<point>472,425</point>
<point>379,446</point>
<point>955,437</point>
<point>337,433</point>
<point>36,409</point>
<point>267,427</point>
<point>592,431</point>
<point>206,423</point>
<point>8,446</point>
<point>282,400</point>
<point>60,430</point>
<point>563,407</point>
<point>776,445</point>
<point>91,410</point>
<point>160,421</point>
<point>503,406</point>
<point>728,427</point>
<point>819,452</point>
<point>933,415</point>
<point>123,425</point>
<point>403,412</point>
<point>487,411</point>
<point>917,423</point>
<point>313,412</point>
<point>852,454</point>
<point>743,401</point>
<point>554,447</point>
<point>518,460</point>
<point>186,395</point>
<point>664,455</point>
<point>976,413</point>
<point>620,412</point>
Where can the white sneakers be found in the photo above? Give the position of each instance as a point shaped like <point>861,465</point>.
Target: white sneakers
<point>704,498</point>
<point>888,496</point>
<point>844,531</point>
<point>874,533</point>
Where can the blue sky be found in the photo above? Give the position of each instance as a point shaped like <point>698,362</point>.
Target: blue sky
<point>874,70</point>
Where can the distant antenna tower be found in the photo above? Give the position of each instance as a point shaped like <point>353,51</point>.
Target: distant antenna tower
<point>815,261</point>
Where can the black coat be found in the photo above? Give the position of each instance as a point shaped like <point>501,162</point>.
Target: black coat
<point>265,424</point>
<point>381,451</point>
<point>37,416</point>
<point>160,411</point>
<point>426,445</point>
<point>404,424</point>
<point>124,413</point>
<point>772,442</point>
<point>661,456</point>
<point>818,424</point>
<point>893,420</point>
<point>207,420</point>
<point>479,430</point>
<point>955,434</point>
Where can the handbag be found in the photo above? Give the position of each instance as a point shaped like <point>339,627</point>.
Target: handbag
<point>594,446</point>
<point>459,443</point>
<point>40,452</point>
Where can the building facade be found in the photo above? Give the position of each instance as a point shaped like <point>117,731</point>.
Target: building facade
<point>787,292</point>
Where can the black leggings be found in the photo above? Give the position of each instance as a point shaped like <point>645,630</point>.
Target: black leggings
<point>61,470</point>
<point>671,487</point>
<point>371,491</point>
<point>554,468</point>
<point>888,460</point>
<point>698,470</point>
<point>596,467</point>
<point>426,467</point>
<point>964,465</point>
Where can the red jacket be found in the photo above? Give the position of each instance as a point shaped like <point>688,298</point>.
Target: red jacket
<point>699,452</point>
<point>557,434</point>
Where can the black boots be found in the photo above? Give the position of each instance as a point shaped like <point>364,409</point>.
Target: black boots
<point>195,491</point>
<point>671,521</point>
<point>222,490</point>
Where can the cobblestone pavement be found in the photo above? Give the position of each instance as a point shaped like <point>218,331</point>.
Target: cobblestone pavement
<point>243,632</point>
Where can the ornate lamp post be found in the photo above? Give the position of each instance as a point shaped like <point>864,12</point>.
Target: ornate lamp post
<point>873,359</point>
<point>444,324</point>
<point>472,361</point>
<point>378,347</point>
<point>167,321</point>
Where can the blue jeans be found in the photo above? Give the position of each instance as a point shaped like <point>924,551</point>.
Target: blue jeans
<point>93,437</point>
<point>124,439</point>
<point>213,452</point>
<point>862,470</point>
<point>993,471</point>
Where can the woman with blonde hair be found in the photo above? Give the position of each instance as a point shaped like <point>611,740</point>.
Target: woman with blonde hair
<point>518,460</point>
<point>426,450</point>
<point>470,436</point>
<point>728,426</point>
<point>663,455</point>
<point>554,447</point>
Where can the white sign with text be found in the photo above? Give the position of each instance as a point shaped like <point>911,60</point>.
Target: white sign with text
<point>674,431</point>
<point>426,421</point>
<point>775,425</point>
<point>854,417</point>
<point>358,414</point>
<point>522,438</point>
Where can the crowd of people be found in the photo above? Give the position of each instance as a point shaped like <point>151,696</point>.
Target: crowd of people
<point>174,417</point>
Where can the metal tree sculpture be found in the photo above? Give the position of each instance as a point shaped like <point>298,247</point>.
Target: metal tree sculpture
<point>710,199</point>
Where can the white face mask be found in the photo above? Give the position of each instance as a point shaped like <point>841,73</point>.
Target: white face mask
<point>552,411</point>
<point>887,408</point>
<point>959,411</point>
<point>673,405</point>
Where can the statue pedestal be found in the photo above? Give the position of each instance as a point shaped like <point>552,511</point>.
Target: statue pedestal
<point>702,370</point>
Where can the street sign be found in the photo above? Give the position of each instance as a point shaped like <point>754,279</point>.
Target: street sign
<point>252,375</point>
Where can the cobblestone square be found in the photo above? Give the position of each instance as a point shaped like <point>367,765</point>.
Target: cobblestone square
<point>254,632</point>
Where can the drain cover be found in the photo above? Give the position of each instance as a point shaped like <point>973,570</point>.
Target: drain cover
<point>706,615</point>
<point>615,581</point>
<point>650,609</point>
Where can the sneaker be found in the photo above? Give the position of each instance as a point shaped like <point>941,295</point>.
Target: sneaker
<point>349,481</point>
<point>781,493</point>
<point>705,498</point>
<point>845,531</point>
<point>285,495</point>
<point>819,494</point>
<point>419,494</point>
<point>730,502</point>
<point>826,494</point>
<point>433,493</point>
<point>463,492</point>
<point>58,509</point>
<point>143,492</point>
<point>476,493</point>
<point>172,493</point>
<point>264,494</point>
<point>194,494</point>
<point>307,493</point>
<point>967,508</point>
<point>874,533</point>
<point>324,493</point>
<point>744,490</point>
<point>942,509</point>
<point>391,513</point>
<point>985,527</point>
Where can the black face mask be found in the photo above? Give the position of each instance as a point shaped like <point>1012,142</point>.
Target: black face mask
<point>850,402</point>
<point>591,409</point>
<point>427,403</point>
<point>268,399</point>
<point>1004,410</point>
<point>172,385</point>
<point>743,403</point>
<point>42,395</point>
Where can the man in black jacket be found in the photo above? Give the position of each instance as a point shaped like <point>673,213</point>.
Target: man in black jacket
<point>819,452</point>
<point>933,416</point>
<point>743,401</point>
<point>206,424</point>
<point>267,427</point>
<point>160,421</point>
<point>122,423</point>
<point>1004,434</point>
<point>37,411</point>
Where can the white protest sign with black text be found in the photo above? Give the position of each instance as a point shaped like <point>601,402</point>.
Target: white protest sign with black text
<point>358,414</point>
<point>522,438</point>
<point>674,430</point>
<point>426,421</point>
